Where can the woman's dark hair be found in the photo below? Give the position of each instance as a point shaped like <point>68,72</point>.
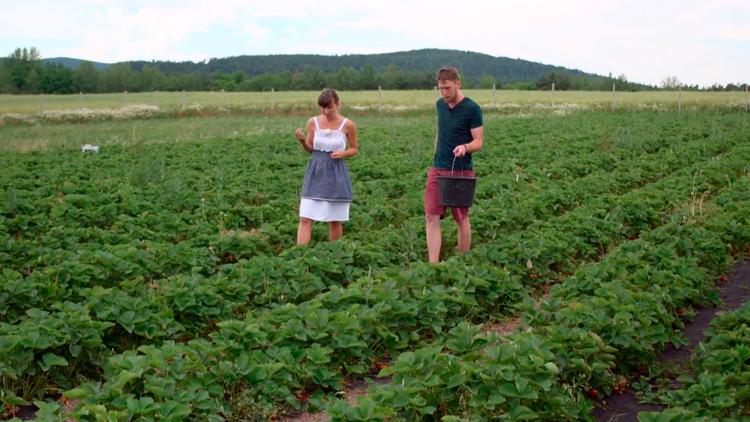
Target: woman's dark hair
<point>327,97</point>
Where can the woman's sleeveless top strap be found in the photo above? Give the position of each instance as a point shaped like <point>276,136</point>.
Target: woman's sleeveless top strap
<point>342,124</point>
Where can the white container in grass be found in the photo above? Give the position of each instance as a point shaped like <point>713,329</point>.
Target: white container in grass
<point>89,148</point>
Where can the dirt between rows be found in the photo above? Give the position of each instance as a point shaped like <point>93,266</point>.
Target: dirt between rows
<point>734,293</point>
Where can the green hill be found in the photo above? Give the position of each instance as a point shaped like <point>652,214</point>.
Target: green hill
<point>472,65</point>
<point>413,69</point>
<point>73,63</point>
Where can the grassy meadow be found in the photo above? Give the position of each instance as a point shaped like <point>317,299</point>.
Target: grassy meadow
<point>29,104</point>
<point>33,122</point>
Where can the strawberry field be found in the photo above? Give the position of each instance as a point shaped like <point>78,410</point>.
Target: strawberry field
<point>161,280</point>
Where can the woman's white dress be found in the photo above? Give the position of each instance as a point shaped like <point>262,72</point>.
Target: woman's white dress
<point>326,190</point>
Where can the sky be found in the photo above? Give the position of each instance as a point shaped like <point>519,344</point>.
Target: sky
<point>701,42</point>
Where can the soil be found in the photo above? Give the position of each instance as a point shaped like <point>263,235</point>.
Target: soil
<point>29,412</point>
<point>502,327</point>
<point>353,390</point>
<point>20,412</point>
<point>734,292</point>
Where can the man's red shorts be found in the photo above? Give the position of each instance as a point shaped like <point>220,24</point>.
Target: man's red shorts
<point>432,193</point>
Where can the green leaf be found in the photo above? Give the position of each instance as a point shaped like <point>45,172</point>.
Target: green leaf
<point>521,383</point>
<point>50,359</point>
<point>174,410</point>
<point>255,373</point>
<point>522,413</point>
<point>386,371</point>
<point>496,399</point>
<point>365,409</point>
<point>76,393</point>
<point>46,410</point>
<point>94,409</point>
<point>8,397</point>
<point>427,410</point>
<point>508,389</point>
<point>319,355</point>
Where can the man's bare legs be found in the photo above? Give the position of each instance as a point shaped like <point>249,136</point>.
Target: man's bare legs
<point>434,237</point>
<point>464,235</point>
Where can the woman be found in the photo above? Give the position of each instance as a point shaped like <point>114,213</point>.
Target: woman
<point>327,188</point>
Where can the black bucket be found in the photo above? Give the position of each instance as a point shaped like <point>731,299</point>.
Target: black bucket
<point>456,191</point>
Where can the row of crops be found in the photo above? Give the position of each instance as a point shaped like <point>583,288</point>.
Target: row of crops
<point>719,385</point>
<point>162,282</point>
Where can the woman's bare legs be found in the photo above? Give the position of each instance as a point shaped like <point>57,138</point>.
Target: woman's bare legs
<point>304,231</point>
<point>335,230</point>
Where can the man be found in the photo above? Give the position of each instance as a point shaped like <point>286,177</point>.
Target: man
<point>459,134</point>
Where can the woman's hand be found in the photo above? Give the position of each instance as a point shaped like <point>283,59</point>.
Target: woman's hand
<point>338,154</point>
<point>299,134</point>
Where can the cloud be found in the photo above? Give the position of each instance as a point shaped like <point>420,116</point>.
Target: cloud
<point>255,31</point>
<point>123,32</point>
<point>645,40</point>
<point>736,33</point>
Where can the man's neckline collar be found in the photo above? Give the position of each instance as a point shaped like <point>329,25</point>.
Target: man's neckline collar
<point>454,105</point>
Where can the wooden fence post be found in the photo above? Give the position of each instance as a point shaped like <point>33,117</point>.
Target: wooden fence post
<point>613,97</point>
<point>679,97</point>
<point>553,94</point>
<point>380,98</point>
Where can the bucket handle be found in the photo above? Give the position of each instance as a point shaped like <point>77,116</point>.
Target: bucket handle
<point>454,162</point>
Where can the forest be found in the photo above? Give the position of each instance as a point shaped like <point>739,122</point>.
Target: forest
<point>25,72</point>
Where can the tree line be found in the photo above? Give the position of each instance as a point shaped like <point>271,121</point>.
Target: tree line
<point>23,72</point>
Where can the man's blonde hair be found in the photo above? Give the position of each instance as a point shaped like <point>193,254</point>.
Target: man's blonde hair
<point>447,73</point>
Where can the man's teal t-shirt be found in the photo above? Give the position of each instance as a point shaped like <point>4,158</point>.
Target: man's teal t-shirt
<point>454,128</point>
